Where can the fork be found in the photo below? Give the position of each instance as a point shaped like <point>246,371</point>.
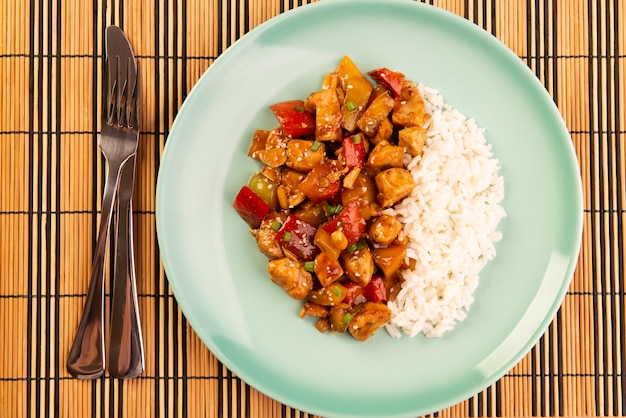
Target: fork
<point>118,143</point>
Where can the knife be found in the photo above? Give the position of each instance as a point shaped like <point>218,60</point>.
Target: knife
<point>126,354</point>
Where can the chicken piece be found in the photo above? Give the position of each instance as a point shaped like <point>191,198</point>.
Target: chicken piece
<point>328,115</point>
<point>393,185</point>
<point>359,265</point>
<point>327,269</point>
<point>322,325</point>
<point>409,109</point>
<point>259,139</point>
<point>412,139</point>
<point>266,238</point>
<point>274,154</point>
<point>302,155</point>
<point>384,132</point>
<point>273,157</point>
<point>376,112</point>
<point>291,276</point>
<point>276,139</point>
<point>385,229</point>
<point>289,194</point>
<point>313,309</point>
<point>386,155</point>
<point>368,318</point>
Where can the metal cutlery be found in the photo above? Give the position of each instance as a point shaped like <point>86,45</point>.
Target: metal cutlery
<point>126,359</point>
<point>118,143</point>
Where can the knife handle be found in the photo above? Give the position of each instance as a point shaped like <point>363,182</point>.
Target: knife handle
<point>126,356</point>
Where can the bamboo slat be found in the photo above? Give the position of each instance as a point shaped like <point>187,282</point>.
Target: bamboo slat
<point>51,178</point>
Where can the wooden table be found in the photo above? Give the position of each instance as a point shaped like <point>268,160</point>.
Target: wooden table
<point>51,178</point>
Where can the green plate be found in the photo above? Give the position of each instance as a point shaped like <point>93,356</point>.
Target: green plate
<point>220,279</point>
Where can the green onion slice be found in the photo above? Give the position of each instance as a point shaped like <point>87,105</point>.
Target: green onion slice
<point>356,139</point>
<point>347,318</point>
<point>287,236</point>
<point>334,209</point>
<point>336,291</point>
<point>350,105</point>
<point>359,245</point>
<point>316,145</point>
<point>309,266</point>
<point>276,226</point>
<point>298,108</point>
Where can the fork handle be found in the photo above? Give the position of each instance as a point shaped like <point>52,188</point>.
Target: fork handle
<point>86,357</point>
<point>126,358</point>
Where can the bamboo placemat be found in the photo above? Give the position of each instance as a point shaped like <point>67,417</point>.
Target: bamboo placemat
<point>51,178</point>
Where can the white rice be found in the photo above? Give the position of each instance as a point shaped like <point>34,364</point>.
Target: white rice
<point>450,220</point>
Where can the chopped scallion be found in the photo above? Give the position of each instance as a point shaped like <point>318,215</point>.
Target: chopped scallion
<point>336,291</point>
<point>356,139</point>
<point>276,226</point>
<point>347,318</point>
<point>359,245</point>
<point>334,209</point>
<point>316,145</point>
<point>287,236</point>
<point>298,108</point>
<point>350,105</point>
<point>309,266</point>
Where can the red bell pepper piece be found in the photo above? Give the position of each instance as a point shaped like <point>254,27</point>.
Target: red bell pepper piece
<point>350,221</point>
<point>391,79</point>
<point>250,207</point>
<point>295,121</point>
<point>317,186</point>
<point>353,149</point>
<point>297,236</point>
<point>354,294</point>
<point>375,290</point>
